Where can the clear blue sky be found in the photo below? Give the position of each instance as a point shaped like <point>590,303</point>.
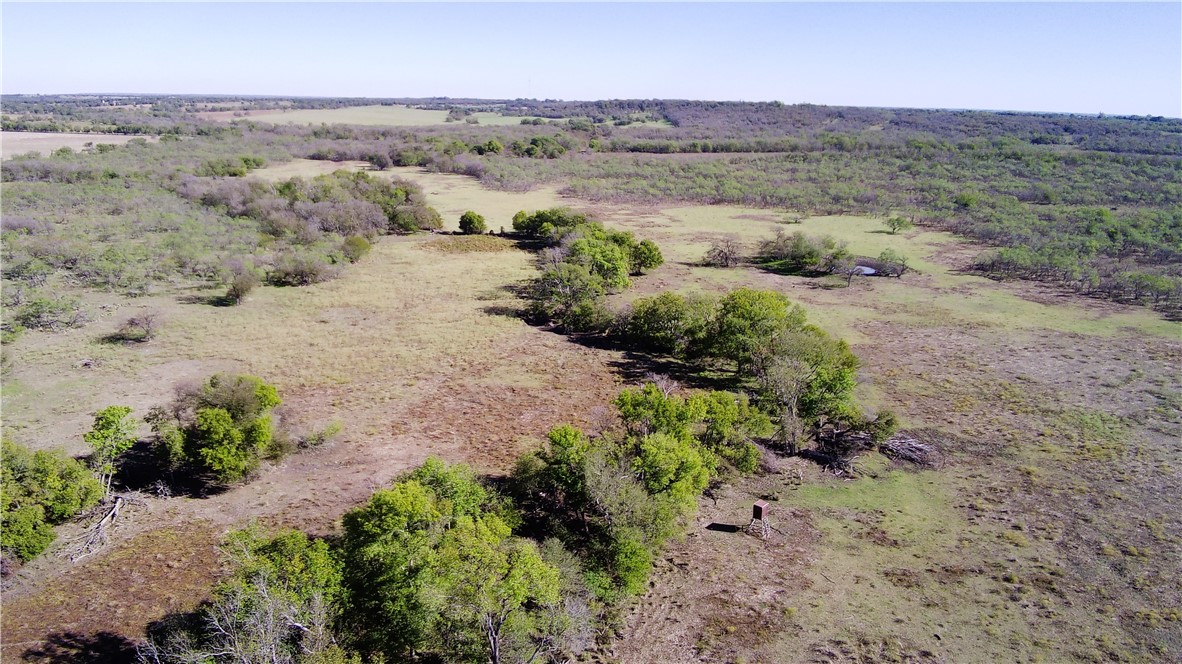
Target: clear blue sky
<point>1122,58</point>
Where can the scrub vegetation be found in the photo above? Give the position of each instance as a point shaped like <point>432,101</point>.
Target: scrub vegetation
<point>498,381</point>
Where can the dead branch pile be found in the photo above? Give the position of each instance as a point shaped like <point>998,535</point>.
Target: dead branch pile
<point>838,465</point>
<point>96,536</point>
<point>904,447</point>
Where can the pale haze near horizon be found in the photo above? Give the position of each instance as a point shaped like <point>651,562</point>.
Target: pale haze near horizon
<point>1123,58</point>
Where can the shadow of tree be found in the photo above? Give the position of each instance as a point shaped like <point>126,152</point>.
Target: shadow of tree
<point>96,648</point>
<point>143,469</point>
<point>634,366</point>
<point>122,338</point>
<point>507,310</point>
<point>208,300</point>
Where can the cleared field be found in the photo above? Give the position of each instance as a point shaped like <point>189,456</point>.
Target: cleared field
<point>396,116</point>
<point>21,142</point>
<point>1052,532</point>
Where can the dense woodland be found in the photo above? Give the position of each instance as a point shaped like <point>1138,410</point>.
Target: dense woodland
<point>1093,204</point>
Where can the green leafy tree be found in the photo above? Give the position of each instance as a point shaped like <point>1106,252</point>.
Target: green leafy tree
<point>497,589</point>
<point>648,410</point>
<point>388,548</point>
<point>729,426</point>
<point>565,458</point>
<point>896,223</point>
<point>220,447</point>
<point>746,320</point>
<point>560,291</point>
<point>472,223</point>
<point>111,437</point>
<point>669,323</point>
<point>542,223</point>
<point>607,260</point>
<point>804,374</point>
<point>673,468</point>
<point>279,604</point>
<point>37,490</point>
<point>646,256</point>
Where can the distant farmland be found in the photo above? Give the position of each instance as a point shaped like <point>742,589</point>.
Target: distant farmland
<point>14,143</point>
<point>398,116</point>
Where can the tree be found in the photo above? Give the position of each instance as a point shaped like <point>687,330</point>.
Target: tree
<point>497,586</point>
<point>560,290</point>
<point>897,223</point>
<point>725,253</point>
<point>846,267</point>
<point>278,606</point>
<point>672,467</point>
<point>668,323</point>
<point>37,490</point>
<point>607,260</point>
<point>746,320</point>
<point>729,425</point>
<point>804,374</point>
<point>220,447</point>
<point>896,260</point>
<point>389,568</point>
<point>113,435</point>
<point>645,256</point>
<point>472,223</point>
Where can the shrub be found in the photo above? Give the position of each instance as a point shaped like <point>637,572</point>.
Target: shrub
<point>726,253</point>
<point>43,313</point>
<point>355,247</point>
<point>220,429</point>
<point>39,489</point>
<point>799,252</point>
<point>632,563</point>
<point>141,327</point>
<point>241,284</point>
<point>472,223</point>
<point>646,256</point>
<point>300,268</point>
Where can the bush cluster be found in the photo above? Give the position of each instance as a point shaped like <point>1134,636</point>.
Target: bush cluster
<point>219,431</point>
<point>583,261</point>
<point>40,489</point>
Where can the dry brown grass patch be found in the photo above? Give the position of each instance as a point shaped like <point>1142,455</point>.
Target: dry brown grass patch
<point>467,244</point>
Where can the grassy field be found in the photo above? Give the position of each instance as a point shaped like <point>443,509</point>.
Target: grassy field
<point>395,116</point>
<point>21,142</point>
<point>1050,534</point>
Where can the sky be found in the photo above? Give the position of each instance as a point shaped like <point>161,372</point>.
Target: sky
<point>1113,58</point>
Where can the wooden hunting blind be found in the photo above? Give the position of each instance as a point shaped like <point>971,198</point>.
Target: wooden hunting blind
<point>759,510</point>
<point>759,522</point>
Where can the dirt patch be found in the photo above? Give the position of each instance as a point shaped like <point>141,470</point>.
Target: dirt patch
<point>720,591</point>
<point>156,573</point>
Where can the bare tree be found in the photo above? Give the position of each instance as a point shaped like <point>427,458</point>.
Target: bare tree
<point>847,267</point>
<point>725,253</point>
<point>142,326</point>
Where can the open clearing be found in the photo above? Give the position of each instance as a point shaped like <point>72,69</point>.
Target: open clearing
<point>393,116</point>
<point>13,143</point>
<point>1030,544</point>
